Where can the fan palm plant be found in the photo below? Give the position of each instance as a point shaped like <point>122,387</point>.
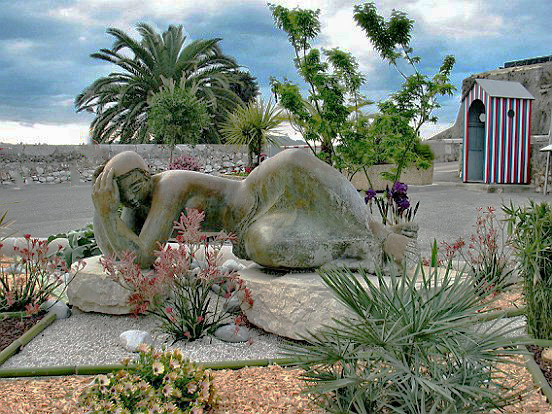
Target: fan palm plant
<point>251,125</point>
<point>411,345</point>
<point>121,99</point>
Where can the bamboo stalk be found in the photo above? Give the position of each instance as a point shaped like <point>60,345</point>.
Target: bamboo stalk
<point>24,339</point>
<point>12,314</point>
<point>36,329</point>
<point>104,369</point>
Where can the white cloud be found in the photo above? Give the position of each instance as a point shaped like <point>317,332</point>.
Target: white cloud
<point>340,30</point>
<point>124,14</point>
<point>457,19</point>
<point>428,130</point>
<point>64,134</point>
<point>16,46</point>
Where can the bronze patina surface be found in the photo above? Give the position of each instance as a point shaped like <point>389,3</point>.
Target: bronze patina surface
<point>293,211</point>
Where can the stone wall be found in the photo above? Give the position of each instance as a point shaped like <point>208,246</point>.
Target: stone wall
<point>446,150</point>
<point>538,163</point>
<point>76,163</point>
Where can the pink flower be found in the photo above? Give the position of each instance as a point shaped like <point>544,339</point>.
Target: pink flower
<point>32,309</point>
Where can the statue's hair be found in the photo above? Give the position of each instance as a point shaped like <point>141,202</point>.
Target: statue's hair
<point>98,171</point>
<point>101,168</point>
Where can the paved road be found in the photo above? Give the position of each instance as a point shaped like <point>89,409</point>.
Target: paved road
<point>446,212</point>
<point>43,209</point>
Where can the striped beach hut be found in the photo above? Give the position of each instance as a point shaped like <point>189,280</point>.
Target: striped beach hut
<point>496,133</point>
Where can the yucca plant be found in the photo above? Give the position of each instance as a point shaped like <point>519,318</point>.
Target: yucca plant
<point>530,228</point>
<point>251,125</point>
<point>410,345</point>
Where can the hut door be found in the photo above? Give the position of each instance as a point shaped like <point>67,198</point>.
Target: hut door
<point>476,142</point>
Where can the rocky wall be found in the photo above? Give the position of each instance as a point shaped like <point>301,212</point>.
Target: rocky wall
<point>76,163</point>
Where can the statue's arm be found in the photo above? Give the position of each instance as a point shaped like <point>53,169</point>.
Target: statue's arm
<point>117,234</point>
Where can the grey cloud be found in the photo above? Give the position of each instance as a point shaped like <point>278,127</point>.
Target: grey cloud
<point>34,81</point>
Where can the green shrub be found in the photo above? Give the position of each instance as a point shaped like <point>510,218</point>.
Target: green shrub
<point>82,244</point>
<point>531,232</point>
<point>35,277</point>
<point>409,346</point>
<point>160,382</point>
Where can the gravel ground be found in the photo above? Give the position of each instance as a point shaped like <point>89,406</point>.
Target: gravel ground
<point>90,338</point>
<point>516,326</point>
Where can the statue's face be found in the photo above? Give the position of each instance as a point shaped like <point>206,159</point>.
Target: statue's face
<point>135,188</point>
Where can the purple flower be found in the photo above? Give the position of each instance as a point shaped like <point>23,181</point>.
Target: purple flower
<point>402,203</point>
<point>399,188</point>
<point>370,194</point>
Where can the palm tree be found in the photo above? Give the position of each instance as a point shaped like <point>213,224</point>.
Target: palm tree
<point>120,100</point>
<point>250,125</point>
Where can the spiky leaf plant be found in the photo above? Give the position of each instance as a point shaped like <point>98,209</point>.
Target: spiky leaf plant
<point>530,228</point>
<point>252,125</point>
<point>410,345</point>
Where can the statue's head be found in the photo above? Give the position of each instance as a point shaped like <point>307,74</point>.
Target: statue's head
<point>133,178</point>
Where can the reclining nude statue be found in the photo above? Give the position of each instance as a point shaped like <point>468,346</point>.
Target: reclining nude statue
<point>292,212</point>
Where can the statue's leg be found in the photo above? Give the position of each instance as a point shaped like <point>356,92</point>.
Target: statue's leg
<point>293,240</point>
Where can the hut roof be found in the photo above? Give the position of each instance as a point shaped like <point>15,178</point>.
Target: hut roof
<point>504,89</point>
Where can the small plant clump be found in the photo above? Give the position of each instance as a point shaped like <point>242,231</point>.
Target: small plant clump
<point>34,277</point>
<point>530,229</point>
<point>159,382</point>
<point>394,205</point>
<point>176,293</point>
<point>82,244</point>
<point>487,254</point>
<point>185,162</point>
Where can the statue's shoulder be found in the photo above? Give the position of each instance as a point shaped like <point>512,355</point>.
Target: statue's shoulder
<point>169,183</point>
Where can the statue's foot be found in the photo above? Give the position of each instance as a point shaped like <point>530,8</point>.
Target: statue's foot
<point>409,229</point>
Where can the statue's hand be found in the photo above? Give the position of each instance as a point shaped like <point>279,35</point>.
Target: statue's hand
<point>105,193</point>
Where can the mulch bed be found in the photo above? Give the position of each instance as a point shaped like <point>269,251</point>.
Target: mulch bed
<point>13,327</point>
<point>255,390</point>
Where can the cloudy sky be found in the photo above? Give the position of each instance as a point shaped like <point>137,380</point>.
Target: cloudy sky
<point>45,47</point>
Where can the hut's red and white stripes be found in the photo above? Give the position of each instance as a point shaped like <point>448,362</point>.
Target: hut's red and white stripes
<point>507,138</point>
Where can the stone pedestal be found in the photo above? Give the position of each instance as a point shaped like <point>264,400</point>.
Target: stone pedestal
<point>295,303</point>
<point>91,290</point>
<point>289,305</point>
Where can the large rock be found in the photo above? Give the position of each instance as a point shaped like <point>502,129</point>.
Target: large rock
<point>91,290</point>
<point>293,304</point>
<point>289,305</point>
